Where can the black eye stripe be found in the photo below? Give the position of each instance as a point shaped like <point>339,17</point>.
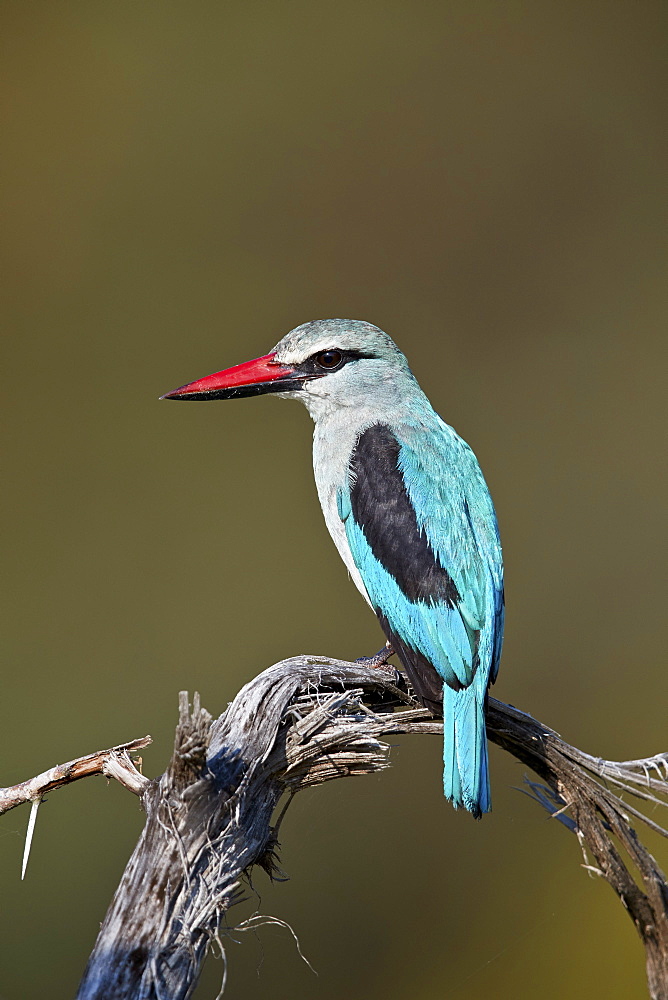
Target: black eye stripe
<point>314,365</point>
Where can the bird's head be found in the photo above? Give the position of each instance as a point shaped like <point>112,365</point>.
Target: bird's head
<point>327,363</point>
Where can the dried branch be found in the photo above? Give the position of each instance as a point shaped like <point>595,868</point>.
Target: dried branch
<point>601,821</point>
<point>308,720</point>
<point>114,762</point>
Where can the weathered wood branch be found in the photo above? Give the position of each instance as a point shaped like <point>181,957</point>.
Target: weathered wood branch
<point>114,763</point>
<point>304,721</point>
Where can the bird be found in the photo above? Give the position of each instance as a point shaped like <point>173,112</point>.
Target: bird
<point>408,508</point>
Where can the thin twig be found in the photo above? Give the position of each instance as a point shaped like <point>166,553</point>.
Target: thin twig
<point>114,762</point>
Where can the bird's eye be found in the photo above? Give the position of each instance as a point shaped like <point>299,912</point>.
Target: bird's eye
<point>329,359</point>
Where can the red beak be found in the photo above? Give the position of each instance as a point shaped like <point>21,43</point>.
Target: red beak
<point>250,379</point>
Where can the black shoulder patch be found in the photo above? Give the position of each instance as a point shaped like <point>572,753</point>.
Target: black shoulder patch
<point>383,510</point>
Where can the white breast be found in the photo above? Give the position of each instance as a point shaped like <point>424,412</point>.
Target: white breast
<point>333,441</point>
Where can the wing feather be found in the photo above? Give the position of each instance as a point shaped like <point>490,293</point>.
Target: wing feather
<point>422,531</point>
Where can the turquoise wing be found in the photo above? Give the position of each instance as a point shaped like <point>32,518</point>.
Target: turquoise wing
<point>423,534</point>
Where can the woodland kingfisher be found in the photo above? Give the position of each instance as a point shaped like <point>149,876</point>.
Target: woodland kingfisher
<point>410,514</point>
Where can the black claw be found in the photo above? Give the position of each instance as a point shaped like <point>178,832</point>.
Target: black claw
<point>379,659</point>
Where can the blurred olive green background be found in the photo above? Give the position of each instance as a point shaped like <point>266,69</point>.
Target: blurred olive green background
<point>183,183</point>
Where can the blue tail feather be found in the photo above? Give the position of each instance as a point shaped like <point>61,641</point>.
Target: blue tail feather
<point>465,762</point>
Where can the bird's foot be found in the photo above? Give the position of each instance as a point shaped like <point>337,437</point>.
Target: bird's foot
<point>379,659</point>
